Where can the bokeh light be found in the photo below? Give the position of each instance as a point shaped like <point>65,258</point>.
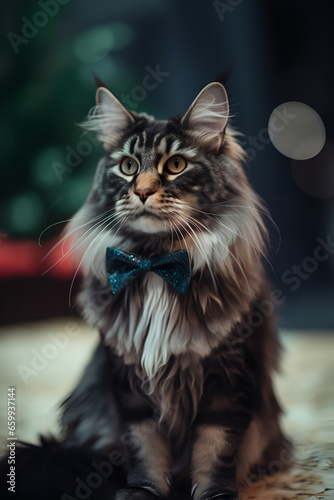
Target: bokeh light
<point>75,193</point>
<point>296,130</point>
<point>25,212</point>
<point>95,44</point>
<point>42,172</point>
<point>315,176</point>
<point>110,69</point>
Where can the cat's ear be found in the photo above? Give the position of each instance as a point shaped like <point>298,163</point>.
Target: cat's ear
<point>208,114</point>
<point>114,117</point>
<point>109,118</point>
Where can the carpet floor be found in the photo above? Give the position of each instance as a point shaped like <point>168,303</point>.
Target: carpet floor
<point>44,360</point>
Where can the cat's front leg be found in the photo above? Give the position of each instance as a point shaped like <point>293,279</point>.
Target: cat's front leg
<point>213,463</point>
<point>224,415</point>
<point>150,464</point>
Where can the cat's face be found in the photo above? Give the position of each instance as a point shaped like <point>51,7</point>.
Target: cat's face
<point>160,175</point>
<point>159,179</point>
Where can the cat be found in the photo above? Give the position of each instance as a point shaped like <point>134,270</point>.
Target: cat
<point>180,385</point>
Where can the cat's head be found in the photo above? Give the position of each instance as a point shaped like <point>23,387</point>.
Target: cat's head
<point>166,185</point>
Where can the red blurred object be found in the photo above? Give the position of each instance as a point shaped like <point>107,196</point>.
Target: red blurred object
<point>36,282</point>
<point>26,258</point>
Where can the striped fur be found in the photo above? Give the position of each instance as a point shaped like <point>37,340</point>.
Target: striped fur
<point>169,357</point>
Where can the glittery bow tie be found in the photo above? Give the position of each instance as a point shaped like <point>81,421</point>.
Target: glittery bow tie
<point>123,268</point>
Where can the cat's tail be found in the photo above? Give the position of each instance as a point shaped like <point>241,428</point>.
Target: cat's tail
<point>54,471</point>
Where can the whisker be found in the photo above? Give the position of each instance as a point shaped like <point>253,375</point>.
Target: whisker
<point>73,230</point>
<point>245,239</point>
<point>72,247</point>
<point>97,224</point>
<point>84,255</point>
<point>61,222</point>
<point>172,242</point>
<point>229,253</point>
<point>198,245</point>
<point>75,245</point>
<point>180,218</point>
<point>182,237</point>
<point>173,229</point>
<point>262,212</point>
<point>107,233</point>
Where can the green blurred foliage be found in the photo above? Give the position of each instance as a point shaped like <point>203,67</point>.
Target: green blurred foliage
<point>48,89</point>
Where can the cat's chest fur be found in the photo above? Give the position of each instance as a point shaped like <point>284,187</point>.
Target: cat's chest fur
<point>148,322</point>
<point>151,322</point>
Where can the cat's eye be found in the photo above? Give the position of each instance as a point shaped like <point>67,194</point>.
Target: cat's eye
<point>176,164</point>
<point>129,166</point>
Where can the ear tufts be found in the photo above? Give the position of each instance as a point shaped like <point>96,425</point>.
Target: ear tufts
<point>208,115</point>
<point>98,81</point>
<point>224,76</point>
<point>109,118</point>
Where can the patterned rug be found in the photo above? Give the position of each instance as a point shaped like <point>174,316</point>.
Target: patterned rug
<point>33,356</point>
<point>312,477</point>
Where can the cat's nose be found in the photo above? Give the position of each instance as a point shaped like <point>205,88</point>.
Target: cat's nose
<point>144,193</point>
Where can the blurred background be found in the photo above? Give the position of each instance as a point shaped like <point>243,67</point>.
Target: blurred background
<point>281,99</point>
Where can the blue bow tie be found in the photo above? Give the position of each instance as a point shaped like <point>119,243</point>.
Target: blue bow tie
<point>123,268</point>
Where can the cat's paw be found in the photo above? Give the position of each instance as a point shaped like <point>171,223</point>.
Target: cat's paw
<point>136,493</point>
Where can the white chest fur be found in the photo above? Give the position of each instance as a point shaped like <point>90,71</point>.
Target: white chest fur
<point>153,324</point>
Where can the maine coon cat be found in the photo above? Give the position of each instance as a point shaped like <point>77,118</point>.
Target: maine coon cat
<point>181,383</point>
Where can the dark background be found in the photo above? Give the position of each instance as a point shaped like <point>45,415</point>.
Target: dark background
<point>280,51</point>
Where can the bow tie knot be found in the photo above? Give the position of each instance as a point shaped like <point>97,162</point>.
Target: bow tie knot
<point>123,268</point>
